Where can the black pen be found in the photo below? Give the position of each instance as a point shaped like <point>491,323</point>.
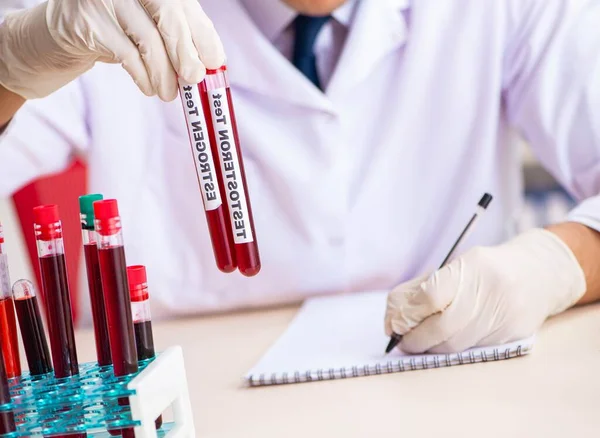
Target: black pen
<point>481,207</point>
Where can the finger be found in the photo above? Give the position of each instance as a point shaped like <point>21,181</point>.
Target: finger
<point>143,32</point>
<point>412,304</point>
<point>114,46</point>
<point>396,300</point>
<point>455,310</point>
<point>124,51</point>
<point>205,37</point>
<point>169,17</point>
<point>435,331</point>
<point>461,340</point>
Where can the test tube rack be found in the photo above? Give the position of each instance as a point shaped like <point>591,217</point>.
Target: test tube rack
<point>89,402</point>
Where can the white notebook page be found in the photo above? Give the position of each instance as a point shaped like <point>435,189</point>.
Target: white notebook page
<point>342,336</point>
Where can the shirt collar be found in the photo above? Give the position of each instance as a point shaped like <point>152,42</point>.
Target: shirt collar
<point>345,13</point>
<point>272,17</point>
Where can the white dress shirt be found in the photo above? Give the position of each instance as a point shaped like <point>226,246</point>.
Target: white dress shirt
<point>275,19</point>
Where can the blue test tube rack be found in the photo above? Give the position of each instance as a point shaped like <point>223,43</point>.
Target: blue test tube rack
<point>88,403</point>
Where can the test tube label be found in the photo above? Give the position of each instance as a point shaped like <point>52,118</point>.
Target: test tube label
<point>199,139</point>
<point>5,290</point>
<point>230,166</point>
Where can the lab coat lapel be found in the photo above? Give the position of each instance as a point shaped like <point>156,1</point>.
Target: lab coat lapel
<point>255,65</point>
<point>379,27</point>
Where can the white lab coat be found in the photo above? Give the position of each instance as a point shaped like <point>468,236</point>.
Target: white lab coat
<point>361,187</point>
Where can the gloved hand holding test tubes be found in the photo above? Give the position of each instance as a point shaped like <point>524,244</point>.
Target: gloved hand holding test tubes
<point>217,154</point>
<point>120,307</point>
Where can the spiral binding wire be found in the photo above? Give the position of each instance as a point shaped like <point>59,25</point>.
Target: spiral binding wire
<point>392,366</point>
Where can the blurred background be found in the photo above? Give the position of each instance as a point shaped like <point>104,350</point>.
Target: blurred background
<point>546,202</point>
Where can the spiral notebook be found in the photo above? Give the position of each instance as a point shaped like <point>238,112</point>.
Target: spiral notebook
<point>338,337</point>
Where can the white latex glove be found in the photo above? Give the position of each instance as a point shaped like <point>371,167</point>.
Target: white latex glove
<point>44,48</point>
<point>489,295</point>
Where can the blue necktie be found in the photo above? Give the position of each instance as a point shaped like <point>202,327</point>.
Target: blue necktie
<point>307,29</point>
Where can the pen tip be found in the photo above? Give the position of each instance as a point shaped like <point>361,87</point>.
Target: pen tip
<point>395,340</point>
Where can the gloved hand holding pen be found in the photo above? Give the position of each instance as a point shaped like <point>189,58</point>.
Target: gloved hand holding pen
<point>489,295</point>
<point>44,48</point>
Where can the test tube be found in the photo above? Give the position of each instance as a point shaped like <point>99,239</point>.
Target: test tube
<point>209,180</point>
<point>142,318</point>
<point>8,323</point>
<point>216,94</point>
<point>94,278</point>
<point>32,328</point>
<point>7,418</point>
<point>51,253</point>
<point>113,269</point>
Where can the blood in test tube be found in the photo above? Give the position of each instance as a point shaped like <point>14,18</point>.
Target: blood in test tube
<point>142,317</point>
<point>32,328</point>
<point>92,264</point>
<point>8,323</point>
<point>51,253</point>
<point>216,94</point>
<point>209,180</point>
<point>113,269</point>
<point>7,418</point>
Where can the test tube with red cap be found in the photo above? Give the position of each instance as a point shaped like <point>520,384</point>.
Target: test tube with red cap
<point>113,270</point>
<point>51,253</point>
<point>7,418</point>
<point>142,317</point>
<point>94,278</point>
<point>209,179</point>
<point>8,323</point>
<point>216,94</point>
<point>32,328</point>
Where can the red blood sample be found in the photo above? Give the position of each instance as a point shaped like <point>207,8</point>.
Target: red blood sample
<point>216,91</point>
<point>142,317</point>
<point>8,324</point>
<point>32,328</point>
<point>209,181</point>
<point>97,303</point>
<point>7,419</point>
<point>48,230</point>
<point>53,269</point>
<point>118,310</point>
<point>113,269</point>
<point>8,335</point>
<point>58,308</point>
<point>90,248</point>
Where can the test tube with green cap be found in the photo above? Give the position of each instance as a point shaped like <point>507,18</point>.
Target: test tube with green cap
<point>90,245</point>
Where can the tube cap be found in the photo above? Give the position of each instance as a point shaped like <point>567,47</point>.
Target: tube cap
<point>106,209</point>
<point>106,214</point>
<point>46,214</point>
<point>23,289</point>
<point>138,286</point>
<point>86,209</point>
<point>47,224</point>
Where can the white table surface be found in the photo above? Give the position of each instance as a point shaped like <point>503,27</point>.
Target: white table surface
<point>552,392</point>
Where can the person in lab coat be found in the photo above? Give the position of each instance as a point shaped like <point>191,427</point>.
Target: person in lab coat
<point>370,129</point>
